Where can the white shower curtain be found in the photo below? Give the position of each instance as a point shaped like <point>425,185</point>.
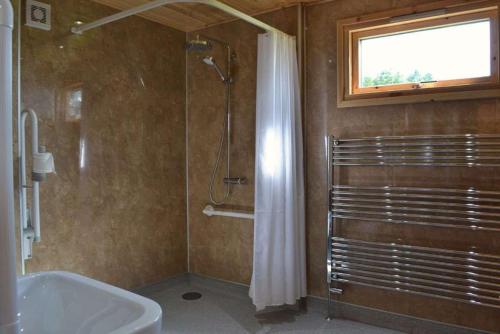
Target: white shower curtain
<point>279,264</point>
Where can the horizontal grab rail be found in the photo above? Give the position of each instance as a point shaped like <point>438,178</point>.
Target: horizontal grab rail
<point>211,211</point>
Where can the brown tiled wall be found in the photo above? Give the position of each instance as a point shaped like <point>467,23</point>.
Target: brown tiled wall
<point>121,217</point>
<point>118,215</point>
<point>324,118</point>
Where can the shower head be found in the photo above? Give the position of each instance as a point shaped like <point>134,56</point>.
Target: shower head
<point>210,61</point>
<point>198,45</point>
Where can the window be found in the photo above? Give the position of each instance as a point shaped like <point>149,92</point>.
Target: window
<point>424,53</point>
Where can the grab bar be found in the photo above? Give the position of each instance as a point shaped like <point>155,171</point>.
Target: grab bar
<point>210,211</point>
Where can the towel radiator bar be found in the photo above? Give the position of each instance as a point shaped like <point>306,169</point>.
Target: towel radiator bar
<point>433,151</point>
<point>463,276</point>
<point>463,209</point>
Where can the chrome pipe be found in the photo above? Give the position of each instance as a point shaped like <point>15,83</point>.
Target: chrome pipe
<point>406,202</point>
<point>462,191</point>
<point>412,253</point>
<point>428,249</point>
<point>468,267</point>
<point>418,157</point>
<point>468,288</point>
<point>422,287</point>
<point>410,222</point>
<point>419,137</point>
<point>425,294</point>
<point>411,215</point>
<point>409,209</point>
<point>414,285</point>
<point>425,149</point>
<point>423,164</point>
<point>468,143</point>
<point>395,264</point>
<point>330,218</point>
<point>469,281</point>
<point>408,289</point>
<point>408,195</point>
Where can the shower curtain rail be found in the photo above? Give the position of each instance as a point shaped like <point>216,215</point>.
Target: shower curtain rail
<point>465,275</point>
<point>158,3</point>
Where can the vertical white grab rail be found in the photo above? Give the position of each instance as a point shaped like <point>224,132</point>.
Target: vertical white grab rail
<point>43,164</point>
<point>9,321</point>
<point>30,219</point>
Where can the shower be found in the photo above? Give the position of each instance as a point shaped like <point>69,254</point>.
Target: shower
<point>202,45</point>
<point>210,61</point>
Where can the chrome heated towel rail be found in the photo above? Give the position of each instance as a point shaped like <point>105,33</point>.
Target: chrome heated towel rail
<point>465,276</point>
<point>452,151</point>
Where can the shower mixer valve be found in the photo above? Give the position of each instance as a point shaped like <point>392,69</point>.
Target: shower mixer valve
<point>235,180</point>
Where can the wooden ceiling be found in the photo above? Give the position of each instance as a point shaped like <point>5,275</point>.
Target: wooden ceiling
<point>190,17</point>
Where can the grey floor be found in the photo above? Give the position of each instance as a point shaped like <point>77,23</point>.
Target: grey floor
<point>226,308</point>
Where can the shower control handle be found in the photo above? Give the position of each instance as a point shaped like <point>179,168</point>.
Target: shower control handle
<point>235,180</point>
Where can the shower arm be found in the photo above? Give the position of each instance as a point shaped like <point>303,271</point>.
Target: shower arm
<point>158,3</point>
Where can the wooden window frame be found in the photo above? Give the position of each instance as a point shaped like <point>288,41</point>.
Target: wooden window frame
<point>443,13</point>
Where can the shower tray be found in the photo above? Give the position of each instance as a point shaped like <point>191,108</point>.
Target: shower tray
<point>67,303</point>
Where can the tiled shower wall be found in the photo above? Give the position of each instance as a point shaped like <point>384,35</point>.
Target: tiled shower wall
<point>115,211</point>
<point>222,247</point>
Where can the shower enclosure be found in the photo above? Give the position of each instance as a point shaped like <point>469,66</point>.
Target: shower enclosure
<point>106,100</point>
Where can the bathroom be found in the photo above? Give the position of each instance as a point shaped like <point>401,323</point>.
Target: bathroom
<point>156,179</point>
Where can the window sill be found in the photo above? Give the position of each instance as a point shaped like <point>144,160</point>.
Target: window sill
<point>373,100</point>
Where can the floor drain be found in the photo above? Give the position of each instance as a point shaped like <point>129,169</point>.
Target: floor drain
<point>191,296</point>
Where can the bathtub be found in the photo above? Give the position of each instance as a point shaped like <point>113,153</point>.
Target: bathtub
<point>66,303</point>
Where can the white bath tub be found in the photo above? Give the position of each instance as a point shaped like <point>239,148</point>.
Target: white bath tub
<point>65,303</point>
